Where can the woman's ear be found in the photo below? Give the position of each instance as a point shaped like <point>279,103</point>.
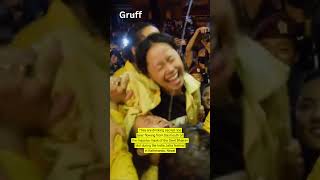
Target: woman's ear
<point>133,51</point>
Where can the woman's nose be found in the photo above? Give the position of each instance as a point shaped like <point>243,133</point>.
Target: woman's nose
<point>170,68</point>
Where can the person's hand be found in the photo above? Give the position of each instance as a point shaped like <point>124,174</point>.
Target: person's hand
<point>180,42</point>
<point>118,89</point>
<point>203,30</point>
<point>26,84</point>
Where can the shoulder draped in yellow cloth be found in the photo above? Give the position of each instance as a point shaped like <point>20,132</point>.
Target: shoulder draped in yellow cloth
<point>121,166</point>
<point>266,112</point>
<point>147,96</point>
<point>206,124</point>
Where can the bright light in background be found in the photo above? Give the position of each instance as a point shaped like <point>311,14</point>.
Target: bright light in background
<point>125,42</point>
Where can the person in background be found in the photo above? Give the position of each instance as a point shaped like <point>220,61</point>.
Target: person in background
<point>307,114</point>
<point>138,97</point>
<point>116,61</point>
<point>205,97</point>
<point>135,35</point>
<point>202,53</point>
<point>277,34</point>
<point>259,113</point>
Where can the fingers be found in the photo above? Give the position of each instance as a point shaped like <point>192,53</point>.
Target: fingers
<point>129,94</point>
<point>203,30</point>
<point>118,89</point>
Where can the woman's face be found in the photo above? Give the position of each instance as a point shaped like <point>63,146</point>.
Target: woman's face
<point>206,97</point>
<point>308,114</point>
<point>114,59</point>
<point>165,67</point>
<point>144,33</point>
<point>151,121</point>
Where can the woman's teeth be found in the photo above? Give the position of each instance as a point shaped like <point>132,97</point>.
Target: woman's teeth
<point>173,77</point>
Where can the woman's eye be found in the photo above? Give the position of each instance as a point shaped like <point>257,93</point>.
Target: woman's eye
<point>170,60</point>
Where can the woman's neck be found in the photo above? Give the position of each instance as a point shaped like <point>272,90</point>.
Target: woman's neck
<point>12,140</point>
<point>174,92</point>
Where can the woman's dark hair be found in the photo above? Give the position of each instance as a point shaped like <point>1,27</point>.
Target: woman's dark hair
<point>134,37</point>
<point>145,45</point>
<point>204,87</point>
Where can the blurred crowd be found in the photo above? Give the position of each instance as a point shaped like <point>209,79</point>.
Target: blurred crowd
<point>265,74</point>
<point>53,90</point>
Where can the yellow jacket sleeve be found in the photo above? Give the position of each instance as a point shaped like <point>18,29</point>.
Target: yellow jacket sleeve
<point>151,173</point>
<point>206,124</point>
<point>315,173</point>
<point>121,165</point>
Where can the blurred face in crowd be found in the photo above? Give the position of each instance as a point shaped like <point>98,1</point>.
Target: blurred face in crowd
<point>144,33</point>
<point>114,59</point>
<point>281,48</point>
<point>150,121</point>
<point>206,97</point>
<point>26,81</point>
<point>197,76</point>
<point>23,101</point>
<point>308,114</point>
<point>165,67</point>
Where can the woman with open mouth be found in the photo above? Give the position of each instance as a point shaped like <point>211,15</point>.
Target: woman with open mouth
<point>180,92</point>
